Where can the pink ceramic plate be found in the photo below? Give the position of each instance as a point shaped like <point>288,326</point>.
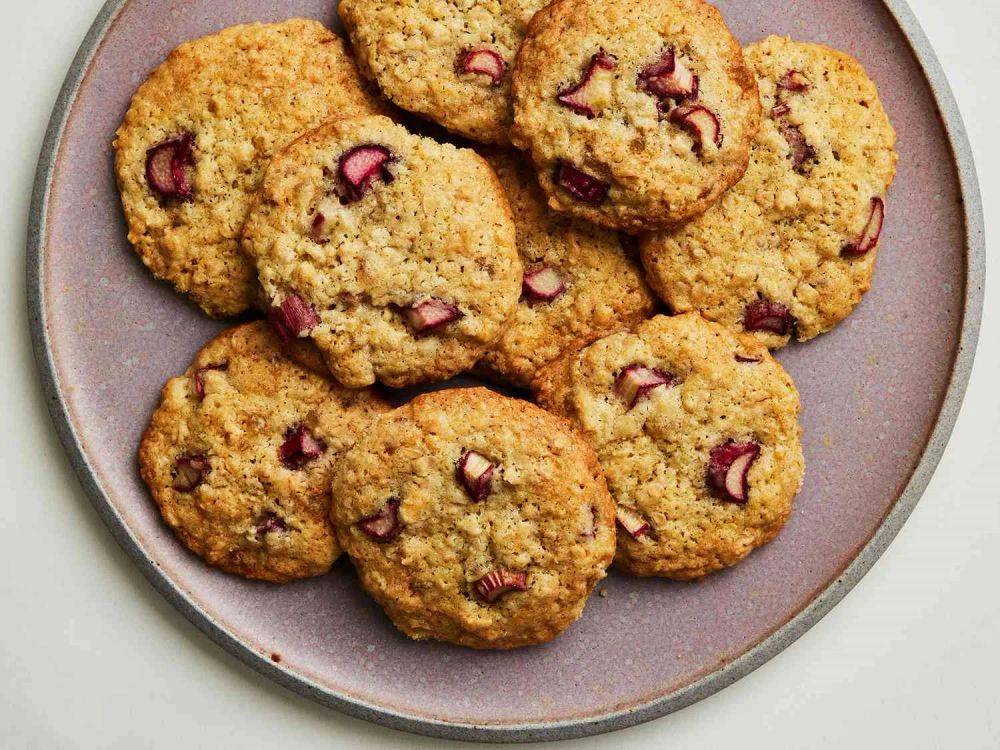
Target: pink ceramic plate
<point>880,396</point>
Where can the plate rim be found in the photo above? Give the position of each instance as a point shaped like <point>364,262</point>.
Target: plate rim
<point>701,688</point>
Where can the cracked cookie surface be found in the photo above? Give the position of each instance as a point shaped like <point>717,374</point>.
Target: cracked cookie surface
<point>239,455</point>
<point>645,154</point>
<point>657,447</point>
<point>596,287</point>
<point>784,235</point>
<point>418,52</point>
<point>404,277</point>
<point>240,95</point>
<point>544,530</point>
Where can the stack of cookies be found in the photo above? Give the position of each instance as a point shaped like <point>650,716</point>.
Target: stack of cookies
<point>630,159</point>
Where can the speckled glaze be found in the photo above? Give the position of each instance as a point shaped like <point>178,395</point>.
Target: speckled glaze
<point>880,395</point>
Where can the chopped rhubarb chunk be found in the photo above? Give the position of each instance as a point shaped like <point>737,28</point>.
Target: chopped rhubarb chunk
<point>581,185</point>
<point>669,78</point>
<point>495,584</point>
<point>168,164</point>
<point>728,467</point>
<point>475,472</point>
<point>431,315</point>
<point>292,318</point>
<point>199,377</point>
<point>872,231</point>
<point>189,472</point>
<point>764,315</point>
<point>635,383</point>
<point>701,123</point>
<point>318,228</point>
<point>593,92</point>
<point>800,151</point>
<point>383,526</point>
<point>636,526</point>
<point>748,360</point>
<point>543,284</point>
<point>485,62</point>
<point>590,523</point>
<point>300,447</point>
<point>359,168</point>
<point>270,522</point>
<point>780,109</point>
<point>795,80</point>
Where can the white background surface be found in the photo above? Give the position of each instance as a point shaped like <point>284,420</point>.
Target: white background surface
<point>92,657</point>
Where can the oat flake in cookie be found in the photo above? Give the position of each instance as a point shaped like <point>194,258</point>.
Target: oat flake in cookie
<point>475,519</point>
<point>240,453</point>
<point>790,250</point>
<point>638,115</point>
<point>447,60</point>
<point>197,137</point>
<point>696,429</point>
<point>395,254</point>
<point>579,282</point>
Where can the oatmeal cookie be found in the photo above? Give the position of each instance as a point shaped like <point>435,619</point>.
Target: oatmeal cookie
<point>696,429</point>
<point>475,519</point>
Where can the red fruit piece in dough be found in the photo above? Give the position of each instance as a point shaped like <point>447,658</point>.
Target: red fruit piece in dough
<point>475,472</point>
<point>431,315</point>
<point>669,78</point>
<point>269,523</point>
<point>795,80</point>
<point>189,472</point>
<point>359,168</point>
<point>764,315</point>
<point>800,151</point>
<point>593,92</point>
<point>300,447</point>
<point>581,185</point>
<point>872,231</point>
<point>636,526</point>
<point>199,377</point>
<point>292,317</point>
<point>701,123</point>
<point>168,164</point>
<point>543,284</point>
<point>636,382</point>
<point>728,467</point>
<point>496,583</point>
<point>383,526</point>
<point>485,62</point>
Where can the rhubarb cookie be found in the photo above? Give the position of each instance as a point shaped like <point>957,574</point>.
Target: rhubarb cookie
<point>475,519</point>
<point>638,115</point>
<point>696,428</point>
<point>240,453</point>
<point>790,250</point>
<point>198,134</point>
<point>395,254</point>
<point>579,283</point>
<point>446,60</point>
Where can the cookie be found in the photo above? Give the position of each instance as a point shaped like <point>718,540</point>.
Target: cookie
<point>199,132</point>
<point>240,453</point>
<point>446,60</point>
<point>579,282</point>
<point>475,519</point>
<point>637,115</point>
<point>394,253</point>
<point>696,429</point>
<point>790,250</point>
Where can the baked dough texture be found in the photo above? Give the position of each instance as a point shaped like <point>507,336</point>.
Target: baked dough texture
<point>242,94</point>
<point>655,454</point>
<point>251,513</point>
<point>780,234</point>
<point>548,515</point>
